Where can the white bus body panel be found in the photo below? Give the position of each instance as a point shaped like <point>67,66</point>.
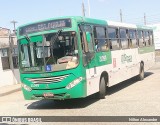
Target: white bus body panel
<point>120,70</point>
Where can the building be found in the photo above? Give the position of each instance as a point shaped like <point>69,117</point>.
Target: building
<point>156,32</point>
<point>9,72</point>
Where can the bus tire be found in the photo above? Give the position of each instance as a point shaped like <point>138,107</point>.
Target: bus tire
<point>141,72</point>
<point>102,88</point>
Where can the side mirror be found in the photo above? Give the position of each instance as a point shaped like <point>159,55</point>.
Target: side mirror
<point>88,37</point>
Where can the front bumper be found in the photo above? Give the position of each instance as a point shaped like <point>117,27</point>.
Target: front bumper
<point>78,91</point>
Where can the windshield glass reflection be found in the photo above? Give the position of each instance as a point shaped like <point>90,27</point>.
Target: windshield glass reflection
<point>51,54</point>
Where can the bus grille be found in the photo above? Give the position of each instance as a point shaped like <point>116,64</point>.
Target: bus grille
<point>47,80</point>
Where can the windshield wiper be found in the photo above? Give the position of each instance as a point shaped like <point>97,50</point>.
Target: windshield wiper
<point>27,38</point>
<point>29,49</point>
<point>54,39</point>
<point>57,34</point>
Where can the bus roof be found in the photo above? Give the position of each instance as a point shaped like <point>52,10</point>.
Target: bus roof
<point>119,24</point>
<point>94,21</point>
<point>77,18</point>
<point>127,25</point>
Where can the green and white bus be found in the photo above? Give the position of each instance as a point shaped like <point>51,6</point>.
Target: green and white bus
<point>74,57</point>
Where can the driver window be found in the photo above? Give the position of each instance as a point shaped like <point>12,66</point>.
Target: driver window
<point>91,46</point>
<point>90,54</point>
<point>87,28</point>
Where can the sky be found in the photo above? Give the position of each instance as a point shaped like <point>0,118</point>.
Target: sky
<point>33,10</point>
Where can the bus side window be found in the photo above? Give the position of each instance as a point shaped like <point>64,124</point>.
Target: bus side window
<point>146,38</point>
<point>140,38</point>
<point>124,38</point>
<point>113,41</point>
<point>132,38</point>
<point>143,36</point>
<point>151,37</point>
<point>82,42</point>
<point>110,44</point>
<point>101,43</point>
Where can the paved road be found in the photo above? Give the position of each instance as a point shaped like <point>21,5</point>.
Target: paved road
<point>129,98</point>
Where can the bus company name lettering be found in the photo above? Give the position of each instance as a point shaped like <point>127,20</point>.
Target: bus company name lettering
<point>45,26</point>
<point>125,58</point>
<point>102,58</point>
<point>32,69</point>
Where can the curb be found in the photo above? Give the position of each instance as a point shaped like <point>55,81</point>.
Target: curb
<point>9,92</point>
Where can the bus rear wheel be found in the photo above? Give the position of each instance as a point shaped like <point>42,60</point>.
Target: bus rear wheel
<point>141,72</point>
<point>102,88</point>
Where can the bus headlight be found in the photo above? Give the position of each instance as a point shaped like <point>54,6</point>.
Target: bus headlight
<point>26,87</point>
<point>74,83</point>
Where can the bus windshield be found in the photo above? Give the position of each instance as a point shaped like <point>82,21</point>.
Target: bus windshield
<point>54,53</point>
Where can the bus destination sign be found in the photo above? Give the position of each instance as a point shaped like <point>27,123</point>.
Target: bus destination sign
<point>47,25</point>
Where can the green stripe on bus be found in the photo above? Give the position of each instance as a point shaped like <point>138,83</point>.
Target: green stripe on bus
<point>146,49</point>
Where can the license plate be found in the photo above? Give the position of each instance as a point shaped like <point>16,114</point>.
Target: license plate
<point>48,95</point>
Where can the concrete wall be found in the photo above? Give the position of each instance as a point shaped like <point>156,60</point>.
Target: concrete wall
<point>8,78</point>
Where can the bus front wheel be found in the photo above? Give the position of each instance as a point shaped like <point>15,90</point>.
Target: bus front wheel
<point>102,88</point>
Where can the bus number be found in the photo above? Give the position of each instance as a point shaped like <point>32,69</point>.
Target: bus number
<point>102,58</point>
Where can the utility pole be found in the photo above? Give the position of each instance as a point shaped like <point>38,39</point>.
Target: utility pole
<point>14,24</point>
<point>89,12</point>
<point>83,8</point>
<point>145,19</point>
<point>121,15</point>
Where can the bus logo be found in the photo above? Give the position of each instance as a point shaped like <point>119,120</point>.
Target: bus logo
<point>6,119</point>
<point>125,58</point>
